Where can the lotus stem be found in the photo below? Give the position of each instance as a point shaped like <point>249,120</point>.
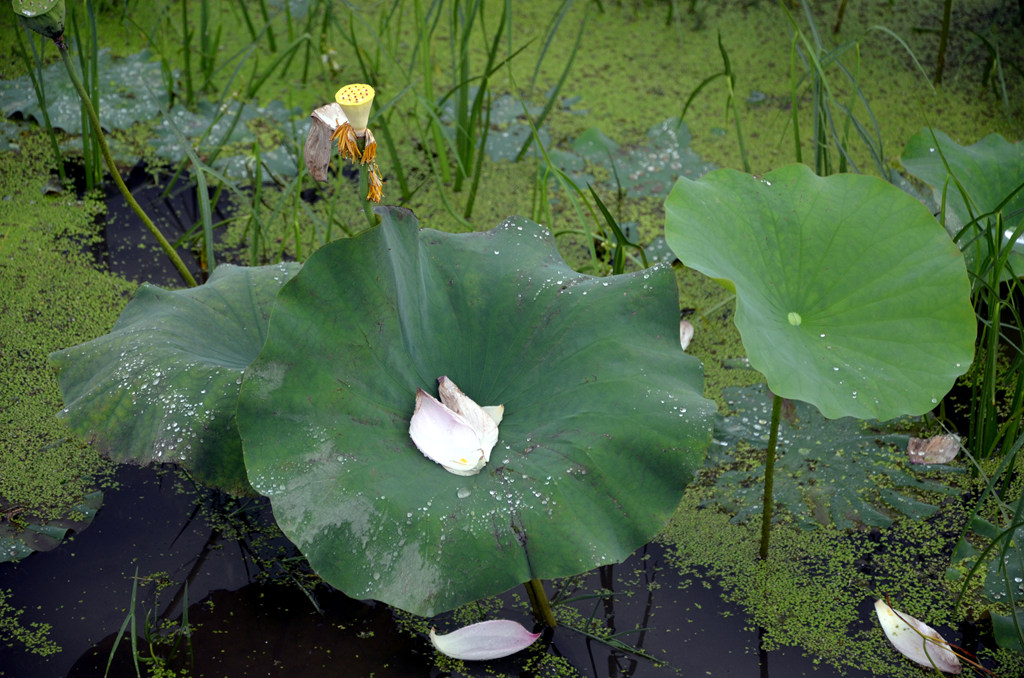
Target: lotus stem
<point>94,119</point>
<point>364,182</point>
<point>769,476</point>
<point>539,603</point>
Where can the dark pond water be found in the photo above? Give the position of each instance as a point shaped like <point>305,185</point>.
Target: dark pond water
<point>250,616</point>
<point>182,556</point>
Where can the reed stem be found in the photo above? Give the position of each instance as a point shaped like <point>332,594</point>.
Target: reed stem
<point>769,476</point>
<point>101,140</point>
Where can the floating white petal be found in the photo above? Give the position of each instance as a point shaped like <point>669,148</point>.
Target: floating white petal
<point>685,333</point>
<point>916,640</point>
<point>487,640</point>
<point>455,432</point>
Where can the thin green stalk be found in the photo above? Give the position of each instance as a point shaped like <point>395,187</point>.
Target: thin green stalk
<point>427,64</point>
<point>94,119</point>
<point>36,75</point>
<point>553,97</point>
<point>271,43</point>
<point>769,477</point>
<point>940,60</point>
<point>396,161</point>
<point>794,102</point>
<point>730,79</point>
<point>190,94</point>
<point>479,160</point>
<point>248,19</point>
<point>129,620</point>
<point>539,602</point>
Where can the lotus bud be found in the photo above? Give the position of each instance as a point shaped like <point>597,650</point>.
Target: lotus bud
<point>356,100</point>
<point>916,640</point>
<point>45,17</point>
<point>486,640</point>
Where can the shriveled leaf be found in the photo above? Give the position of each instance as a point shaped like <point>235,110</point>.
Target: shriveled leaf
<point>940,449</point>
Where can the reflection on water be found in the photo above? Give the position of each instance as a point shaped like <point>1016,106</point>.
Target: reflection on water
<point>253,607</point>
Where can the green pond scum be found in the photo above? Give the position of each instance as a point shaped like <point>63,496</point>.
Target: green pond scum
<point>631,70</point>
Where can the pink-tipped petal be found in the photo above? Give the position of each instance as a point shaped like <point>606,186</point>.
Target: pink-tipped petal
<point>444,436</point>
<point>916,640</point>
<point>486,640</point>
<point>482,422</point>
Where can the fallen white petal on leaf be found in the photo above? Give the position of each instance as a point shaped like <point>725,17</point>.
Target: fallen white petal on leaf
<point>916,640</point>
<point>455,432</point>
<point>486,640</point>
<point>939,449</point>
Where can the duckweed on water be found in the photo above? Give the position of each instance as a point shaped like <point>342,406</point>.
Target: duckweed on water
<point>53,295</point>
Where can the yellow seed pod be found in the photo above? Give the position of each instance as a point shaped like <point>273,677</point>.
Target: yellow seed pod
<point>355,100</point>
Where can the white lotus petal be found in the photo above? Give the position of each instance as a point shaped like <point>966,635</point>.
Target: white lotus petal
<point>685,333</point>
<point>482,422</point>
<point>444,436</point>
<point>487,640</point>
<point>916,640</point>
<point>330,114</point>
<point>495,412</point>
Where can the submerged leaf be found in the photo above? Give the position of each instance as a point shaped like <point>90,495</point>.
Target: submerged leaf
<point>486,640</point>
<point>844,472</point>
<point>916,640</point>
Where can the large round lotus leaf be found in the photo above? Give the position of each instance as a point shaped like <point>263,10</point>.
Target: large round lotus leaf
<point>163,385</point>
<point>849,295</point>
<point>603,424</point>
<point>991,173</point>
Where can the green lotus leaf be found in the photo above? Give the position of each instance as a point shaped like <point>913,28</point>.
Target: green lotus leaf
<point>603,421</point>
<point>991,173</point>
<point>163,384</point>
<point>849,295</point>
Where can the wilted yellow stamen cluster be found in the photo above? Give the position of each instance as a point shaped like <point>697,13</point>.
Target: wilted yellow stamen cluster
<point>355,101</point>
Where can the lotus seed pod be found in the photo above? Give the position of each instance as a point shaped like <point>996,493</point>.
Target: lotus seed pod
<point>45,17</point>
<point>355,100</point>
